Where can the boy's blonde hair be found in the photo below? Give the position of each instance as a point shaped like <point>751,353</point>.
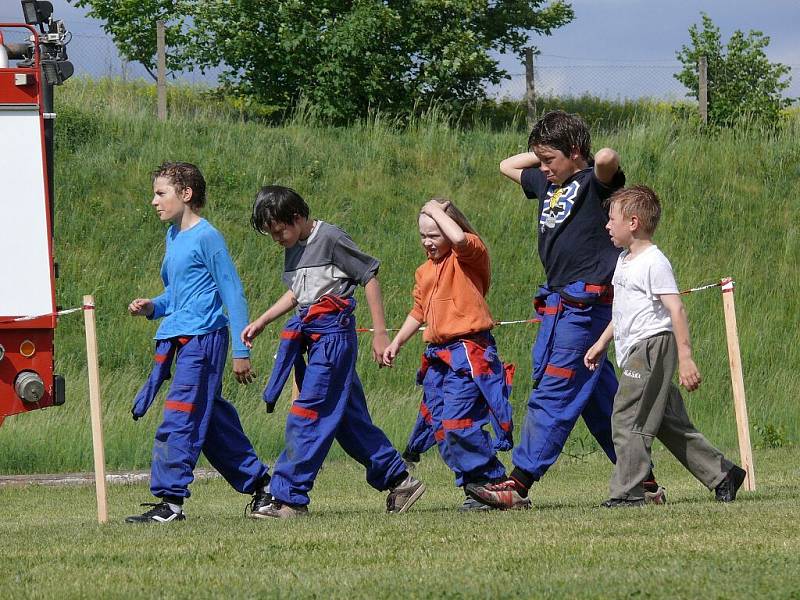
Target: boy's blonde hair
<point>641,201</point>
<point>454,213</point>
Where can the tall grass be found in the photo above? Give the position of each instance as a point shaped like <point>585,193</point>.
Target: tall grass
<point>730,208</point>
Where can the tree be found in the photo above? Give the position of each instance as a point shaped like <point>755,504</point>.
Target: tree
<point>742,83</point>
<point>344,57</point>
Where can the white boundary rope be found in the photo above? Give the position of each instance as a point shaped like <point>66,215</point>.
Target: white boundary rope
<point>68,311</point>
<point>59,313</point>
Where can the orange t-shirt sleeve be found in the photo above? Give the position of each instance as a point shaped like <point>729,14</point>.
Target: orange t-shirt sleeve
<point>417,312</point>
<point>473,251</point>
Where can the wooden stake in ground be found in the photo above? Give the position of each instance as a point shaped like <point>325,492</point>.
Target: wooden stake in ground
<point>94,405</point>
<point>737,381</point>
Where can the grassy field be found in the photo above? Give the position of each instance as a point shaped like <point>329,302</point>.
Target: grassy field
<point>730,208</point>
<point>565,547</point>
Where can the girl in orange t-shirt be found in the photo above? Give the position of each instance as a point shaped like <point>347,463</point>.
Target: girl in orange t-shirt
<point>465,385</point>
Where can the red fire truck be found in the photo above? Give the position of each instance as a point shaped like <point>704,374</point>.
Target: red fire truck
<point>32,60</point>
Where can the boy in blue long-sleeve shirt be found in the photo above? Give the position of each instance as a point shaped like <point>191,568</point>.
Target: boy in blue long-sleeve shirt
<point>200,280</point>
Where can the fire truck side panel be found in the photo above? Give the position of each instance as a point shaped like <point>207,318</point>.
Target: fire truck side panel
<point>26,263</point>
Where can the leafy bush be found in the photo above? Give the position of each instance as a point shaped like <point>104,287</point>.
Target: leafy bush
<point>742,83</point>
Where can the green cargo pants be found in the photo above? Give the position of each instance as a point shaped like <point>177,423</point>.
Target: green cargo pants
<point>648,405</point>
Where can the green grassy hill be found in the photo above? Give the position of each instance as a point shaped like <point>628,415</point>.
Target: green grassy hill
<point>730,208</point>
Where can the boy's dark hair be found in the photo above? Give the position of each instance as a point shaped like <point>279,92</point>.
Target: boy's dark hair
<point>641,201</point>
<point>562,131</point>
<point>276,204</point>
<point>184,175</point>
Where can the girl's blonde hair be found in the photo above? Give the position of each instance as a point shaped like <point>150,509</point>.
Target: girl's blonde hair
<point>454,213</point>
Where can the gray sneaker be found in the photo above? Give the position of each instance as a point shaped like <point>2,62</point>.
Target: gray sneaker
<point>279,510</point>
<point>402,496</point>
<point>657,497</point>
<point>472,505</point>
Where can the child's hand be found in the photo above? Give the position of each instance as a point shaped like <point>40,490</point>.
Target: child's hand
<point>390,354</point>
<point>689,374</point>
<point>250,332</point>
<point>433,206</point>
<point>594,356</point>
<point>242,371</point>
<point>380,340</point>
<point>141,307</point>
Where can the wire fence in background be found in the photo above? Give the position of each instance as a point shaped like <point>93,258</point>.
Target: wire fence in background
<point>603,81</point>
<point>96,56</point>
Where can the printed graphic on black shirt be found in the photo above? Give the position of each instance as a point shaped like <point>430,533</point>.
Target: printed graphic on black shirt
<point>558,204</point>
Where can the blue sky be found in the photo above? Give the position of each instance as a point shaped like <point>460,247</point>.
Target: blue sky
<point>616,46</point>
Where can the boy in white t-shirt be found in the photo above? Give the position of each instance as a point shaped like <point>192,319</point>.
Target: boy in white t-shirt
<point>651,334</point>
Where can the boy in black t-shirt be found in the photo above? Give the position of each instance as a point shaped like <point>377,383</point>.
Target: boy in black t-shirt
<point>575,304</point>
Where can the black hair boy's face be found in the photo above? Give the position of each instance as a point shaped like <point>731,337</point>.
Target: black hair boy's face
<point>556,166</point>
<point>286,234</point>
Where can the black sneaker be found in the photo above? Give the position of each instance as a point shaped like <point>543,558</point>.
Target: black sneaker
<point>622,503</point>
<point>160,513</point>
<point>257,507</point>
<point>726,490</point>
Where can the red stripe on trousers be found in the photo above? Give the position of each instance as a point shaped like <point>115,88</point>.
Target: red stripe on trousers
<point>477,358</point>
<point>560,372</point>
<point>179,406</point>
<point>425,412</point>
<point>457,423</point>
<point>510,369</point>
<point>438,435</point>
<point>306,413</point>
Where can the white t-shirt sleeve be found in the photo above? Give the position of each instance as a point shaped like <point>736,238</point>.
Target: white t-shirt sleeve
<point>661,278</point>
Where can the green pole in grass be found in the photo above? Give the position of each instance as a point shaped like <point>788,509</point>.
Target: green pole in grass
<point>737,381</point>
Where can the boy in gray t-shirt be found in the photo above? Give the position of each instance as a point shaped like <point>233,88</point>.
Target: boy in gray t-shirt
<point>651,337</point>
<point>322,268</point>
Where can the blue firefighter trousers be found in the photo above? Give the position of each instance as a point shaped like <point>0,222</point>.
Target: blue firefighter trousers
<point>198,419</point>
<point>459,413</point>
<point>567,389</point>
<point>331,406</point>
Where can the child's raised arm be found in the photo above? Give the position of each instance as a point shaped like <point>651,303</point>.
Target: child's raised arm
<point>284,304</point>
<point>688,373</point>
<point>449,228</point>
<point>512,166</point>
<point>606,164</point>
